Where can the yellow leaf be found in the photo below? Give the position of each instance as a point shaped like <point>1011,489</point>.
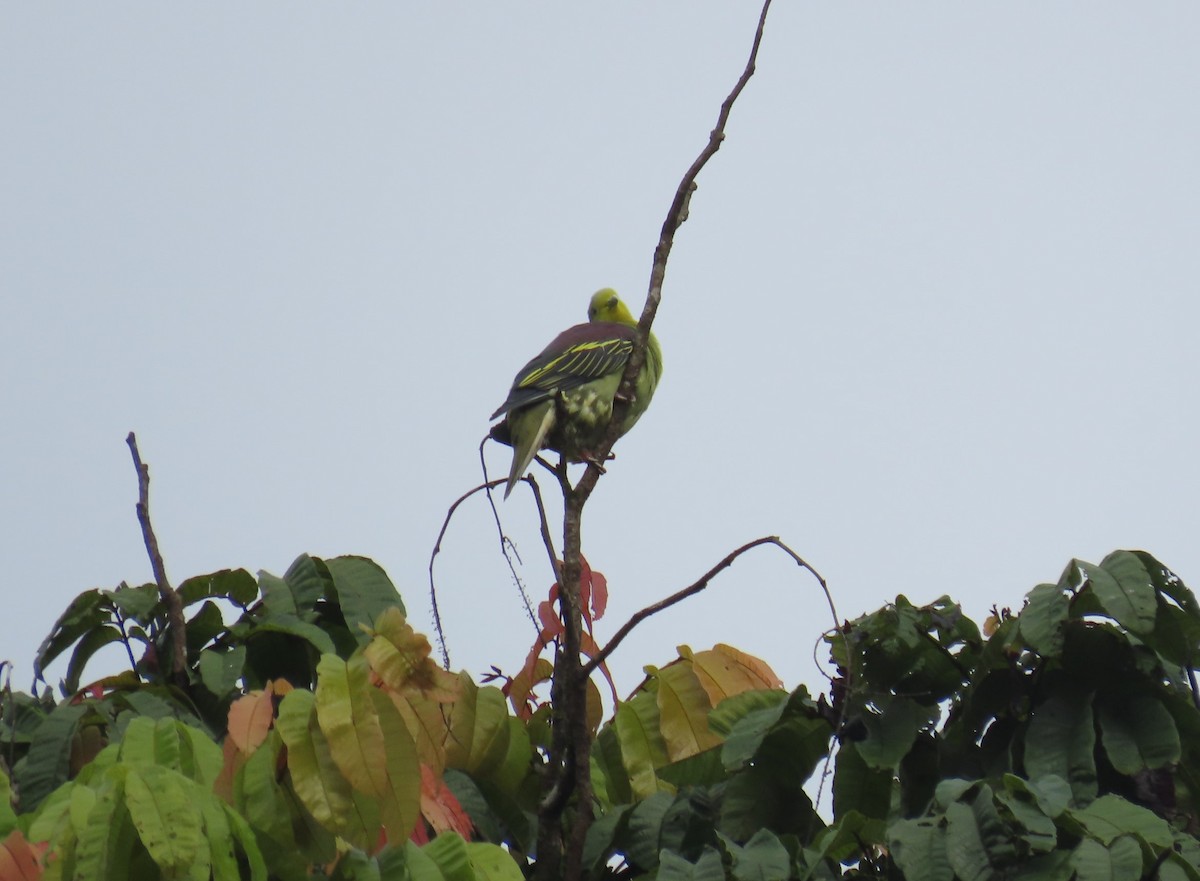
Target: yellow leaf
<point>724,671</point>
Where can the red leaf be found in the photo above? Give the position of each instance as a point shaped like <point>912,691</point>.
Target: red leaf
<point>551,624</point>
<point>599,595</point>
<point>440,808</point>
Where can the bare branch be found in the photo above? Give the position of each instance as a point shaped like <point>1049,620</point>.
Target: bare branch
<point>547,539</point>
<point>437,549</point>
<point>695,587</point>
<point>176,627</point>
<point>676,215</point>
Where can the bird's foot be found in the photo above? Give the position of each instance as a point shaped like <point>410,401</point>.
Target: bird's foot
<point>591,459</point>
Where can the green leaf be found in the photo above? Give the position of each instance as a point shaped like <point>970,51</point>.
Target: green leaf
<point>277,595</point>
<point>512,770</point>
<point>293,626</point>
<point>1046,608</point>
<point>643,749</point>
<point>707,868</point>
<point>1093,861</point>
<point>645,829</point>
<point>747,734</point>
<point>399,786</point>
<point>319,784</point>
<point>762,858</point>
<point>479,730</point>
<point>449,852</point>
<point>475,803</point>
<point>1110,816</point>
<point>221,853</point>
<point>1053,866</point>
<point>420,865</point>
<point>8,817</point>
<point>977,843</point>
<point>1122,585</point>
<point>237,585</point>
<point>220,669</point>
<point>859,787</point>
<point>249,844</point>
<point>610,781</point>
<point>363,591</point>
<point>734,708</point>
<point>789,747</point>
<point>1060,741</point>
<point>1040,832</point>
<point>493,863</point>
<point>1138,733</point>
<point>893,730</point>
<point>162,805</point>
<point>702,769</point>
<point>852,834</point>
<point>48,762</point>
<point>86,611</point>
<point>602,837</point>
<point>135,602</point>
<point>919,848</point>
<point>105,844</point>
<point>306,583</point>
<point>92,641</point>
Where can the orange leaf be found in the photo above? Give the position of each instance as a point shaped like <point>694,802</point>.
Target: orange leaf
<point>536,671</point>
<point>20,860</point>
<point>250,718</point>
<point>551,624</point>
<point>440,808</point>
<point>599,595</point>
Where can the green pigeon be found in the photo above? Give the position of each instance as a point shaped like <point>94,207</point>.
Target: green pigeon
<point>563,398</point>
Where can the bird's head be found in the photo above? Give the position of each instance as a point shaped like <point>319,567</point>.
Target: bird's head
<point>607,306</point>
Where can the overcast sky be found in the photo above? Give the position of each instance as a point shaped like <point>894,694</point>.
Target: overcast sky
<point>933,319</point>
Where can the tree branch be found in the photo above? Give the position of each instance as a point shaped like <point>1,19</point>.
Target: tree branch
<point>694,588</point>
<point>570,674</point>
<point>676,215</point>
<point>176,627</point>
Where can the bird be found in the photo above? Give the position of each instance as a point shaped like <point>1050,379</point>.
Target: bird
<point>562,400</point>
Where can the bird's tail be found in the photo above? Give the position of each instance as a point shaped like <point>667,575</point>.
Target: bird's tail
<point>529,429</point>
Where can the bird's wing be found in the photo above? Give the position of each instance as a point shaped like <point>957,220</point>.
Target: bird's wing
<point>578,355</point>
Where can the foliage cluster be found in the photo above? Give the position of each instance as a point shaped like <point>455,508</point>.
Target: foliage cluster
<point>315,737</point>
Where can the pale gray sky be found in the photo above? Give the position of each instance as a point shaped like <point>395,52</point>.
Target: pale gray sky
<point>933,319</point>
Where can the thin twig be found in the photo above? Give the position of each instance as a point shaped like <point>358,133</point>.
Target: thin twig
<point>437,549</point>
<point>506,543</point>
<point>176,627</point>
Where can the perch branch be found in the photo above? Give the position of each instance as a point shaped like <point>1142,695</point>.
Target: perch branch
<point>676,215</point>
<point>571,772</point>
<point>176,627</point>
